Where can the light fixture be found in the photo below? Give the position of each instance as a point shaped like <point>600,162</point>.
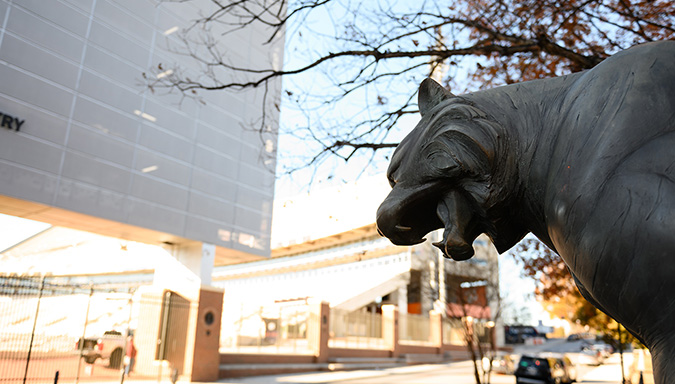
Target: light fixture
<point>166,73</point>
<point>144,115</point>
<point>149,169</point>
<point>170,30</point>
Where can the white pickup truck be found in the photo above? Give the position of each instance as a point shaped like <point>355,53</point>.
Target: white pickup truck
<point>109,347</point>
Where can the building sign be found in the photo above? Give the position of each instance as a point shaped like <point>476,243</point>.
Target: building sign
<point>10,122</point>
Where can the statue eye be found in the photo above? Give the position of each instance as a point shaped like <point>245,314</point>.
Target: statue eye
<point>442,160</point>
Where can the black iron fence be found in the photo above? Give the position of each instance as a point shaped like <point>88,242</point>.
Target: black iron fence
<point>55,331</point>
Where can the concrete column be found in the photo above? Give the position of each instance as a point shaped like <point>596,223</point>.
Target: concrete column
<point>442,299</point>
<point>390,328</point>
<point>436,328</point>
<point>318,330</point>
<point>402,298</point>
<point>188,276</point>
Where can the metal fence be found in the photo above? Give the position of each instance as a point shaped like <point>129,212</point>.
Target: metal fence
<point>454,332</point>
<point>55,331</point>
<point>359,329</point>
<point>273,328</point>
<point>414,329</point>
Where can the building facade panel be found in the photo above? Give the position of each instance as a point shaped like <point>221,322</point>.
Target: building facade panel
<point>166,143</point>
<point>44,125</point>
<point>130,19</point>
<point>22,150</point>
<point>212,184</point>
<point>33,90</point>
<point>219,140</point>
<point>161,166</point>
<point>79,196</point>
<point>109,92</point>
<point>44,33</point>
<point>64,15</point>
<point>96,141</point>
<point>209,207</point>
<point>27,183</point>
<point>172,119</point>
<point>108,119</point>
<point>110,66</point>
<point>216,162</point>
<point>152,215</point>
<point>95,172</point>
<point>31,58</point>
<point>83,5</point>
<point>229,122</point>
<point>151,189</point>
<point>212,231</point>
<point>106,38</point>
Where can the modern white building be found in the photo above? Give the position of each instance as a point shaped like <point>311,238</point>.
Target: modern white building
<point>327,249</point>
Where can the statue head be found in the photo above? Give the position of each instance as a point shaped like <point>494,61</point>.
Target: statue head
<point>442,177</point>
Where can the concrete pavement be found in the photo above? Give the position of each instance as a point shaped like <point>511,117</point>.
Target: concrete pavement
<point>459,372</point>
<point>455,372</point>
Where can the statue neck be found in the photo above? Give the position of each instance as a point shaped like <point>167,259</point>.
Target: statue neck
<point>529,114</point>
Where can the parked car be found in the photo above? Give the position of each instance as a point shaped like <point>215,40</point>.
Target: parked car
<point>581,336</point>
<point>605,349</point>
<point>548,370</point>
<point>110,347</point>
<point>592,355</point>
<point>517,334</point>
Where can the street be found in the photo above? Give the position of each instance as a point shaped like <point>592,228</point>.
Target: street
<point>455,373</point>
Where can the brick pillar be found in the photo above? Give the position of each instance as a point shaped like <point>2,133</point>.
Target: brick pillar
<point>390,328</point>
<point>206,358</point>
<point>436,329</point>
<point>318,330</point>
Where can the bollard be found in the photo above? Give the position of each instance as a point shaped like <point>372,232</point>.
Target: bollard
<point>174,375</point>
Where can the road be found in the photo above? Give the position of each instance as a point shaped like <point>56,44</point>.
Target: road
<point>455,372</point>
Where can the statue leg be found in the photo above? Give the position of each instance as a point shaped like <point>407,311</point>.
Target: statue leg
<point>663,364</point>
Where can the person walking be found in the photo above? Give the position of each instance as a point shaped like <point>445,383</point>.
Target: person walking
<point>130,356</point>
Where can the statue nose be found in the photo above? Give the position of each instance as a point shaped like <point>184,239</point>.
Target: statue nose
<point>385,220</point>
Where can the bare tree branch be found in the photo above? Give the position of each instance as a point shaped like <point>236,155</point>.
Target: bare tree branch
<point>358,62</point>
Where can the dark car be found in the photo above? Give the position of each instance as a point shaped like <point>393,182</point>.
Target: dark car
<point>517,334</point>
<point>547,370</point>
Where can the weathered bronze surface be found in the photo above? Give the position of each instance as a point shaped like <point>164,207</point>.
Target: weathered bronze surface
<point>586,162</point>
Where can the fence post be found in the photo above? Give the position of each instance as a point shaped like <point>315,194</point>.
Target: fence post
<point>32,334</point>
<point>318,330</point>
<point>436,330</point>
<point>84,332</point>
<point>123,367</point>
<point>390,328</point>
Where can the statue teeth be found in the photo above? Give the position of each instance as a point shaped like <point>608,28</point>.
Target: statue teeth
<point>402,228</point>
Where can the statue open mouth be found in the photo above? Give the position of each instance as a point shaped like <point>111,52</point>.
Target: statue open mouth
<point>460,224</point>
<point>405,221</point>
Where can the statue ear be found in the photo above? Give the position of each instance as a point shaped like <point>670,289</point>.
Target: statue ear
<point>430,94</point>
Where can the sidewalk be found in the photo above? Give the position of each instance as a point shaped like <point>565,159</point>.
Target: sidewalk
<point>460,372</point>
<point>610,371</point>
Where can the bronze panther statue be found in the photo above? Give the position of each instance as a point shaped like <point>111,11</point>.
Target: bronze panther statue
<point>586,162</point>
